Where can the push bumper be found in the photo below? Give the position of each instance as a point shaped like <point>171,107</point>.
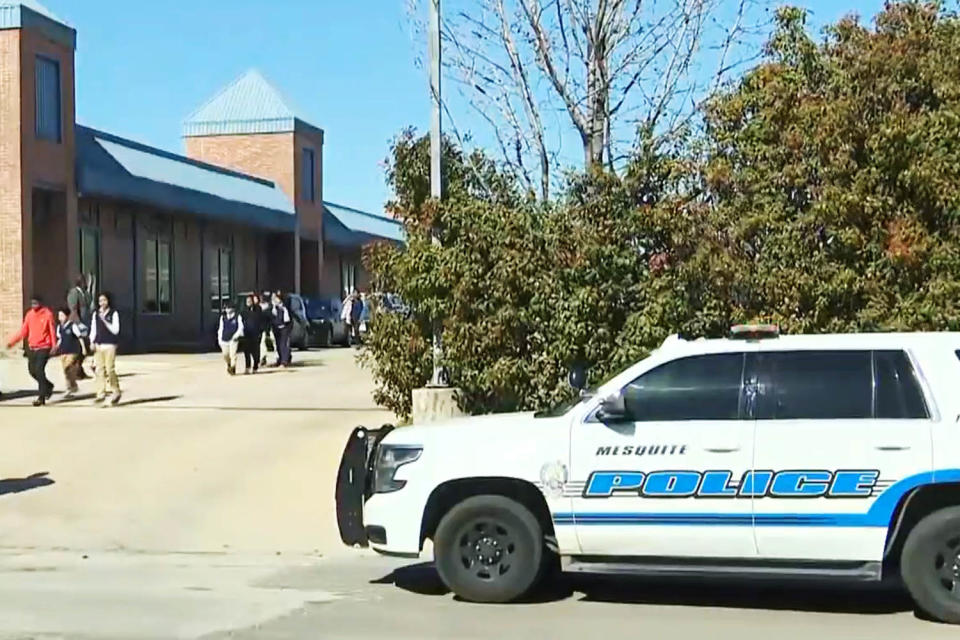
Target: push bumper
<point>353,484</point>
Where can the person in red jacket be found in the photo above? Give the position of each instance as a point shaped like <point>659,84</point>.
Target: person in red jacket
<point>40,333</point>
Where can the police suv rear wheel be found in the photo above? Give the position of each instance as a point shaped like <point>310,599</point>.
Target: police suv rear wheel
<point>930,564</point>
<point>489,549</point>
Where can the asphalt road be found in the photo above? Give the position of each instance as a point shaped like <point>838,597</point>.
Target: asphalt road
<point>378,598</point>
<point>202,507</point>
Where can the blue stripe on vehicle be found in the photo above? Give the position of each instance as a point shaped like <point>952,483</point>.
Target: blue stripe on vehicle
<point>878,515</point>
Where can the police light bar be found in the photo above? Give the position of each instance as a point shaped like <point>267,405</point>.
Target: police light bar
<point>754,331</point>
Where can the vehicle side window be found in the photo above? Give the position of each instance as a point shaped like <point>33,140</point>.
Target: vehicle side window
<point>898,391</point>
<point>697,388</point>
<point>815,385</point>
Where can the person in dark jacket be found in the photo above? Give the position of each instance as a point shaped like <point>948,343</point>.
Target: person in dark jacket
<point>253,326</point>
<point>356,312</point>
<point>282,326</point>
<point>70,334</point>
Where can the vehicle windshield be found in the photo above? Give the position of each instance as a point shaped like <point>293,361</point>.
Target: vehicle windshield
<point>561,408</point>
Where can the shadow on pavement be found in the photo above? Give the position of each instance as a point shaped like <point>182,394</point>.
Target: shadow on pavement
<point>139,401</point>
<point>773,595</point>
<point>17,395</point>
<point>19,485</point>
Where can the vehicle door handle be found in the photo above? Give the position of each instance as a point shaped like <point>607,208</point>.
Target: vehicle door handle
<point>892,448</point>
<point>722,449</point>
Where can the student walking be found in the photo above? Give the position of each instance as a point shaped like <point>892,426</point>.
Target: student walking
<point>281,329</point>
<point>356,317</point>
<point>105,336</point>
<point>41,335</point>
<point>229,333</point>
<point>266,315</point>
<point>253,321</point>
<point>70,333</point>
<point>79,301</point>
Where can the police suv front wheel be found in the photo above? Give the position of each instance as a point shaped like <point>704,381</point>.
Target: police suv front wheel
<point>930,564</point>
<point>489,549</point>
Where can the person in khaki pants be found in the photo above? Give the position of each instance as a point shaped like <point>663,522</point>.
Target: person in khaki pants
<point>105,336</point>
<point>70,333</point>
<point>228,334</point>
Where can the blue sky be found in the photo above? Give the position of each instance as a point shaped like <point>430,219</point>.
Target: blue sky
<point>349,65</point>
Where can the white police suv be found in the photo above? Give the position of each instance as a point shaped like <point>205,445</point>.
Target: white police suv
<point>817,456</point>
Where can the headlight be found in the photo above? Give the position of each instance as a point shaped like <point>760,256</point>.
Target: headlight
<point>389,459</point>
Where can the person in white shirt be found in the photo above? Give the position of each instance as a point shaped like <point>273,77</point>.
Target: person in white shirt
<point>228,334</point>
<point>104,337</point>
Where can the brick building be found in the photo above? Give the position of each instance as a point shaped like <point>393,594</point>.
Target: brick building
<point>171,236</point>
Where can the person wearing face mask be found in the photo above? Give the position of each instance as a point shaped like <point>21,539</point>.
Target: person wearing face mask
<point>229,333</point>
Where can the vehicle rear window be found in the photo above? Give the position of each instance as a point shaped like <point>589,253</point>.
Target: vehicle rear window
<point>816,385</point>
<point>898,390</point>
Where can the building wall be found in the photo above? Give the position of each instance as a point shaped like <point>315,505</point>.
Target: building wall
<point>279,157</point>
<point>13,268</point>
<point>38,227</point>
<point>48,173</point>
<point>124,230</point>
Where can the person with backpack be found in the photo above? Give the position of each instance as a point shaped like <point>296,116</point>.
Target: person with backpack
<point>105,337</point>
<point>41,335</point>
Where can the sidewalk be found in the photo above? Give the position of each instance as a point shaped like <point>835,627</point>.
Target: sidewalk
<point>192,460</point>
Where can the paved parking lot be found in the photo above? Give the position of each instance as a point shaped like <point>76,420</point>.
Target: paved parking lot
<point>202,507</point>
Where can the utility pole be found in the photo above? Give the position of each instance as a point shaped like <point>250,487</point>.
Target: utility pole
<point>436,188</point>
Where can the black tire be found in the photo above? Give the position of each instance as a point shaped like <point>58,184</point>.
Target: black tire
<point>489,549</point>
<point>930,565</point>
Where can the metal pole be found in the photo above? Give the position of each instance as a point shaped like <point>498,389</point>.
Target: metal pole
<point>436,190</point>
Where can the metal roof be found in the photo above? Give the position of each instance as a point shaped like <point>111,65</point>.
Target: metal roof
<point>349,228</point>
<point>250,104</point>
<point>18,14</point>
<point>114,167</point>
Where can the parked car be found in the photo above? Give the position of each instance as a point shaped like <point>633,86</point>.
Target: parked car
<point>325,326</point>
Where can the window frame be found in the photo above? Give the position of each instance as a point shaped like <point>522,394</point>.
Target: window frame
<point>158,239</point>
<point>217,293</point>
<point>308,172</point>
<point>764,377</point>
<point>742,409</point>
<point>54,64</point>
<point>97,235</point>
<point>918,381</point>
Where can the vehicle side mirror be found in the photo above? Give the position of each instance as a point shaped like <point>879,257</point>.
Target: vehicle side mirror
<point>613,409</point>
<point>578,377</point>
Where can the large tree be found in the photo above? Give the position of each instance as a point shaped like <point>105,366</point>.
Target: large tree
<point>834,170</point>
<point>536,70</point>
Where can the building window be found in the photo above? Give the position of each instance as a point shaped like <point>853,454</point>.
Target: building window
<point>48,99</point>
<point>309,175</point>
<point>157,261</point>
<point>348,276</point>
<point>221,278</point>
<point>89,256</point>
